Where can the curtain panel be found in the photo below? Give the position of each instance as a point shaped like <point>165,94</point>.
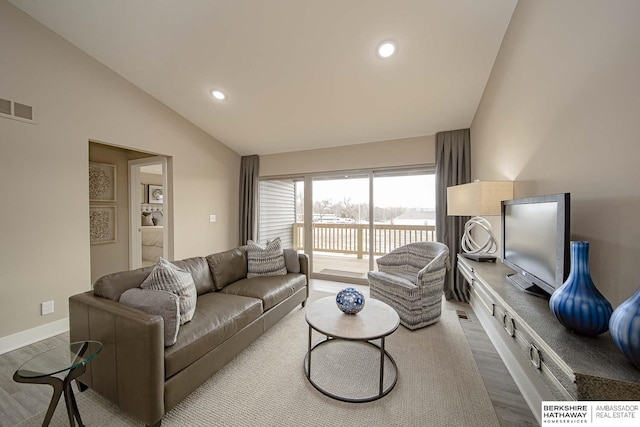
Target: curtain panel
<point>453,167</point>
<point>249,189</point>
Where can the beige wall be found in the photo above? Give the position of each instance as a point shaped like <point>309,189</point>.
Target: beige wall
<point>150,178</point>
<point>113,256</point>
<point>560,114</point>
<point>400,152</point>
<point>44,249</point>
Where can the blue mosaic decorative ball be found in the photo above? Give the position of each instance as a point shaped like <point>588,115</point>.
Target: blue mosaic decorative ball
<point>350,301</point>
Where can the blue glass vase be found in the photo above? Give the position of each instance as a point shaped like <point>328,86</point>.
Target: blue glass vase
<point>577,304</point>
<point>624,327</point>
<point>350,301</point>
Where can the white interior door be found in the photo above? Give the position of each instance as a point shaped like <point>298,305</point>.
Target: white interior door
<point>136,195</point>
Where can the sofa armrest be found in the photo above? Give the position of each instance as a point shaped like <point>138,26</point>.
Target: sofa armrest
<point>304,264</point>
<point>304,269</point>
<point>130,368</point>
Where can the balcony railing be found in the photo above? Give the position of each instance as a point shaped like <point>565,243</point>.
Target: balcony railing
<point>354,238</point>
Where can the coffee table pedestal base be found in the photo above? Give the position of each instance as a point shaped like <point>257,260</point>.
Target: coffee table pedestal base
<point>383,355</point>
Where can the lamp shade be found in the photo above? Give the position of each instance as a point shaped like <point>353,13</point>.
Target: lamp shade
<point>480,198</point>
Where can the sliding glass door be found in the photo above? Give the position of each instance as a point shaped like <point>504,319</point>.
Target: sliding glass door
<point>340,226</point>
<point>345,221</point>
<point>403,210</point>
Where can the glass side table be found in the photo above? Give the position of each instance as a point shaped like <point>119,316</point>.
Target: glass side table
<point>42,369</point>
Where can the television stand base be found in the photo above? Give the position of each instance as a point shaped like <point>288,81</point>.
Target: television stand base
<point>516,279</point>
<point>480,257</point>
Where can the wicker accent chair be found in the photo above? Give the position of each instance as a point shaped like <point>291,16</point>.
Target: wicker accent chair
<point>411,279</point>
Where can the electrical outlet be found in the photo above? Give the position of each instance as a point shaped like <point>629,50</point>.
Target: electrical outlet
<point>212,218</point>
<point>47,307</point>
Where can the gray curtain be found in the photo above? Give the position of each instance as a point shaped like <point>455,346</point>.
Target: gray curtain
<point>249,187</point>
<point>453,167</point>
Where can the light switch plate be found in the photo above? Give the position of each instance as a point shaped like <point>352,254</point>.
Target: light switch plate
<point>212,218</point>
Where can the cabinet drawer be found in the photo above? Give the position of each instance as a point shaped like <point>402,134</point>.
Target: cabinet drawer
<point>466,272</point>
<point>542,362</point>
<point>536,358</point>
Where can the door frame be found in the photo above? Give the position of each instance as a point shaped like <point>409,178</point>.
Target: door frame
<point>135,226</point>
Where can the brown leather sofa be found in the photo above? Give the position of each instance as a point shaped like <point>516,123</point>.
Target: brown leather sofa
<point>135,370</point>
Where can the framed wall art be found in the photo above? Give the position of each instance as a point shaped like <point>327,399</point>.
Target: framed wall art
<point>102,224</point>
<point>102,182</point>
<point>155,194</point>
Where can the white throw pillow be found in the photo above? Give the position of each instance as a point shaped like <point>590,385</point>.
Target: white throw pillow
<point>265,261</point>
<point>167,277</point>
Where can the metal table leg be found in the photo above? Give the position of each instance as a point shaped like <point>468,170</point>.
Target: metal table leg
<point>309,355</point>
<point>59,387</point>
<point>381,364</point>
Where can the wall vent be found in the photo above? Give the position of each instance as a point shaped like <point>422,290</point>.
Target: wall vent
<point>17,111</point>
<point>5,106</point>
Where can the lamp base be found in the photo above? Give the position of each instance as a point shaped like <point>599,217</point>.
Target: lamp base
<point>480,257</point>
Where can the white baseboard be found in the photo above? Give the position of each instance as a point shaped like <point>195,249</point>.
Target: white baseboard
<point>39,333</point>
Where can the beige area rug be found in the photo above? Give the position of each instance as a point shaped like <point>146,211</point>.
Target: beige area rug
<point>438,385</point>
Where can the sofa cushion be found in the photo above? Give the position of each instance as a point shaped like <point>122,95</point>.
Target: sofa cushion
<point>200,272</point>
<point>270,289</point>
<point>228,267</point>
<point>160,303</point>
<point>168,277</point>
<point>217,318</point>
<point>265,261</point>
<point>113,285</point>
<point>291,260</point>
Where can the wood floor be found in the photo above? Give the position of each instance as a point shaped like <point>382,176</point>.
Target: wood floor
<point>21,401</point>
<point>507,400</point>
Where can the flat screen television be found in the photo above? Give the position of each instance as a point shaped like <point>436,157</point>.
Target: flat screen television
<point>535,241</point>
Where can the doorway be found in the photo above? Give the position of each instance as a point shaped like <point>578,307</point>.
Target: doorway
<point>150,215</point>
<point>110,213</point>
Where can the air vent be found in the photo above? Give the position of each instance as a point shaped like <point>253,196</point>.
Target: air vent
<point>5,106</point>
<point>462,314</point>
<point>17,111</point>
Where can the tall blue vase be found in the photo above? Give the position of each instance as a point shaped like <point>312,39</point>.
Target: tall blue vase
<point>577,304</point>
<point>624,327</point>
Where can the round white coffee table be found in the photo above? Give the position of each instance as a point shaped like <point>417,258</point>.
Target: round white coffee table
<point>376,321</point>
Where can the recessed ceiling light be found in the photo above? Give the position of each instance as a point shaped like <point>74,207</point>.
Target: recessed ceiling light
<point>386,49</point>
<point>218,95</point>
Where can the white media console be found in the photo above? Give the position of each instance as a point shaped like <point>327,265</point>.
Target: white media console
<point>547,361</point>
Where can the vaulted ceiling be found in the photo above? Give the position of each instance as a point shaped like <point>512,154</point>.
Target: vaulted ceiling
<point>298,74</point>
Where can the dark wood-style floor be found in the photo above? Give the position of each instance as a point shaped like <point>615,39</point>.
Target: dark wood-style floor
<point>21,401</point>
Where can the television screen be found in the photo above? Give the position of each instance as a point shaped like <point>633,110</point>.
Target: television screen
<point>535,241</point>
